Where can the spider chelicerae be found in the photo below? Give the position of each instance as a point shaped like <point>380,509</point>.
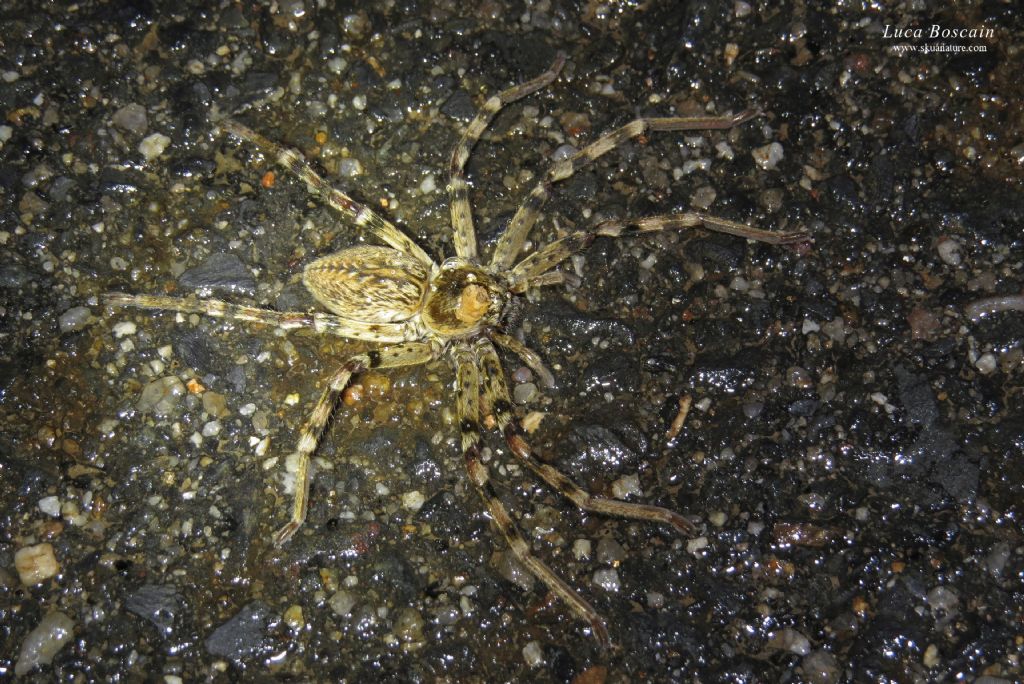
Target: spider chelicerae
<point>420,310</point>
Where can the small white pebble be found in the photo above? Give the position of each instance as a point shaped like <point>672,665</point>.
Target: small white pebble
<point>533,654</point>
<point>293,617</point>
<point>123,329</point>
<point>768,156</point>
<point>342,602</point>
<point>359,102</point>
<point>810,326</point>
<point>696,545</point>
<point>413,501</point>
<point>608,579</point>
<point>986,363</point>
<point>581,549</point>
<point>724,151</point>
<point>50,505</point>
<point>212,429</point>
<point>627,486</point>
<point>428,184</point>
<point>349,167</point>
<point>793,641</point>
<point>949,251</point>
<point>152,146</point>
<point>36,564</point>
<point>40,645</point>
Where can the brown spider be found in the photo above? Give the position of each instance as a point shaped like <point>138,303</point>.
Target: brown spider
<point>421,310</point>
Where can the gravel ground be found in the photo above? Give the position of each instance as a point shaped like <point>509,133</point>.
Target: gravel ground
<point>853,456</point>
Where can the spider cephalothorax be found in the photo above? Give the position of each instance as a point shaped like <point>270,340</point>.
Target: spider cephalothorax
<point>421,310</point>
<point>461,299</point>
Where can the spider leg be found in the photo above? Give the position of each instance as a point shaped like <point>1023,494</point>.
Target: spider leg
<point>468,383</point>
<point>529,357</point>
<point>361,215</point>
<point>511,241</point>
<point>462,218</point>
<point>497,395</point>
<point>536,268</point>
<point>286,320</point>
<point>406,354</point>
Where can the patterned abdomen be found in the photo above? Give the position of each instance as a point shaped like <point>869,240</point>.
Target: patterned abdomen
<point>368,283</point>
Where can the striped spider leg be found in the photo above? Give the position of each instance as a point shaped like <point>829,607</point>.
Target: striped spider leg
<point>467,374</point>
<point>537,268</point>
<point>462,215</point>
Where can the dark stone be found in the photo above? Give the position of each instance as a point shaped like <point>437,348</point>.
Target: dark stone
<point>158,603</point>
<point>220,272</point>
<point>244,635</point>
<point>459,106</point>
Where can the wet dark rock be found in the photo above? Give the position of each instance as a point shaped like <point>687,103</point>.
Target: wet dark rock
<point>459,106</point>
<point>14,276</point>
<point>448,517</point>
<point>198,351</point>
<point>425,466</point>
<point>62,189</point>
<point>975,65</point>
<point>804,407</point>
<point>158,603</point>
<point>717,253</point>
<point>220,272</point>
<point>728,374</point>
<point>192,167</point>
<point>660,363</point>
<point>917,398</point>
<point>580,328</point>
<point>386,447</point>
<point>845,193</point>
<point>114,181</point>
<point>244,635</point>
<point>255,86</point>
<point>602,447</point>
<point>398,574</point>
<point>236,379</point>
<point>886,646</point>
<point>616,373</point>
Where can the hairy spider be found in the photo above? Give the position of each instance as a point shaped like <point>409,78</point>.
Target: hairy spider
<point>420,310</point>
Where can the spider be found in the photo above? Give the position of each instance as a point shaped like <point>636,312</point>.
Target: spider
<point>420,310</point>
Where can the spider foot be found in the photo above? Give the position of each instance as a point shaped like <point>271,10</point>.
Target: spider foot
<point>283,535</point>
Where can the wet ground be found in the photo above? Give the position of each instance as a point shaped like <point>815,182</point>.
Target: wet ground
<point>853,457</point>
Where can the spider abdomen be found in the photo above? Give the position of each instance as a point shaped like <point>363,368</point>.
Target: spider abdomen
<point>368,283</point>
